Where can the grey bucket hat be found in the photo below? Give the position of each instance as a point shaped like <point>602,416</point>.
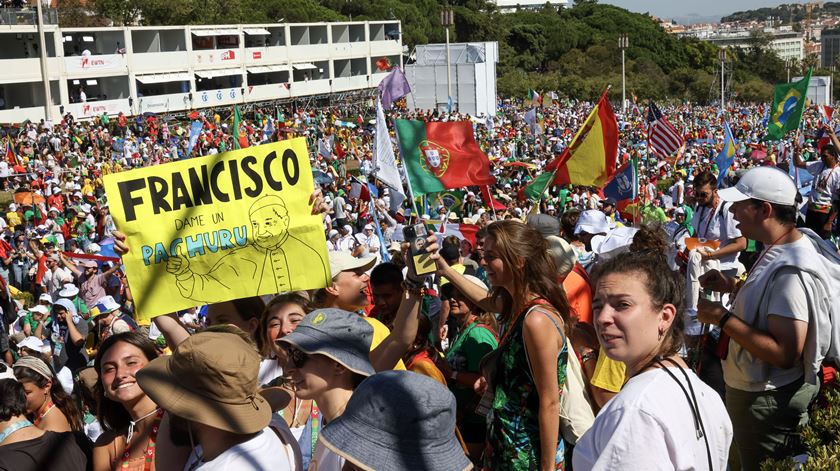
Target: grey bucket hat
<point>338,334</point>
<point>398,420</point>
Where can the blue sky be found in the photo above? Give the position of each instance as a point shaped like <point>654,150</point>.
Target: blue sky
<point>694,11</point>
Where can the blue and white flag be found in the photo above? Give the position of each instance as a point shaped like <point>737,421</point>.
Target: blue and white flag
<point>726,157</point>
<point>621,187</point>
<point>195,130</point>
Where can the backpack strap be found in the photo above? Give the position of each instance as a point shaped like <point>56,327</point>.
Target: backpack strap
<point>546,312</point>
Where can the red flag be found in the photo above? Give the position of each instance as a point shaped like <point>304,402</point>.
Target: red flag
<point>441,155</point>
<point>489,200</point>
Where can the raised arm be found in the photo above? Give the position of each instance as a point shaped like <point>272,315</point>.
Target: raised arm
<point>477,295</point>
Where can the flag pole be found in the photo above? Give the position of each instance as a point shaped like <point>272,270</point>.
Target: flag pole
<point>492,206</point>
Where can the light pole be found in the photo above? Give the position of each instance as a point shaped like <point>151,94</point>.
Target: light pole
<point>788,65</point>
<point>44,73</point>
<point>447,19</point>
<point>722,57</point>
<point>831,86</point>
<point>622,44</point>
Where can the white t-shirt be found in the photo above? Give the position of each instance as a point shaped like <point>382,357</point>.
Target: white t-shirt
<point>325,459</point>
<point>787,298</point>
<point>720,225</point>
<point>677,193</point>
<point>264,452</point>
<point>826,185</point>
<point>649,425</point>
<point>269,370</point>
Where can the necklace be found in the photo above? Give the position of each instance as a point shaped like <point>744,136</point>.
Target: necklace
<point>14,428</point>
<point>760,257</point>
<point>44,414</point>
<point>132,423</point>
<point>149,454</point>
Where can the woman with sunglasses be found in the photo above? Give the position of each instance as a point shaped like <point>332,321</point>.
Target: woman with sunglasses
<point>329,355</point>
<point>281,317</point>
<point>130,419</point>
<point>530,363</point>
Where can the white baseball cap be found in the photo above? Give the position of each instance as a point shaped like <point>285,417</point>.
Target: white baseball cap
<point>763,183</point>
<point>342,261</point>
<point>592,221</point>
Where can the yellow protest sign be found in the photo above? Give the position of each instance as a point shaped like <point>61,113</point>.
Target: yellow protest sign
<point>219,227</point>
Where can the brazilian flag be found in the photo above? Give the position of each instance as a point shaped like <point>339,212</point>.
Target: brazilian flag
<point>452,199</point>
<point>788,104</point>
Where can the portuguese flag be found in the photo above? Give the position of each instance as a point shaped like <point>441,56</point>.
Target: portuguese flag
<point>440,156</point>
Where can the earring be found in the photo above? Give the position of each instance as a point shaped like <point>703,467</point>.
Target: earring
<point>661,334</point>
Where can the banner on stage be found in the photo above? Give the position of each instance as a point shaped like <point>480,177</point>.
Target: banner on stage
<point>220,227</point>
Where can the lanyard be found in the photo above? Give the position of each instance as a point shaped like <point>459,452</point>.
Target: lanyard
<point>712,213</point>
<point>761,257</point>
<point>14,428</point>
<point>149,454</point>
<point>41,417</point>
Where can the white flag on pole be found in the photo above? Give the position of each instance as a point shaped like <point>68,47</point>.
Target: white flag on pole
<point>383,155</point>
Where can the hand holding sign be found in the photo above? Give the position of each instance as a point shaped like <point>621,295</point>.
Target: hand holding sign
<point>179,264</point>
<point>227,226</point>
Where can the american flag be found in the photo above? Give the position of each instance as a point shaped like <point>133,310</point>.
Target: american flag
<point>662,136</point>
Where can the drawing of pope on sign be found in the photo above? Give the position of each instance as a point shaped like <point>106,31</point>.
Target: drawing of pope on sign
<point>273,258</point>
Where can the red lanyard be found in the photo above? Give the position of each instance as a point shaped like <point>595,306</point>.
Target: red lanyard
<point>760,257</point>
<point>149,454</point>
<point>41,417</point>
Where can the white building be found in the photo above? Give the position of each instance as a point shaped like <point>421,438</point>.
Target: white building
<point>513,5</point>
<point>174,68</point>
<point>473,73</point>
<point>786,44</point>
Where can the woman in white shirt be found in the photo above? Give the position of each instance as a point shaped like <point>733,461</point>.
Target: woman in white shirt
<point>664,417</point>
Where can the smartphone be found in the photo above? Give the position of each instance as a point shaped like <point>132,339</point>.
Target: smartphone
<point>416,236</point>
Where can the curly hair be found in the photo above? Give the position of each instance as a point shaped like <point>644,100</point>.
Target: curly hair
<point>650,237</point>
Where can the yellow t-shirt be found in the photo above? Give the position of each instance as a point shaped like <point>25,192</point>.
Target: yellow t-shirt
<point>380,333</point>
<point>609,374</point>
<point>12,219</point>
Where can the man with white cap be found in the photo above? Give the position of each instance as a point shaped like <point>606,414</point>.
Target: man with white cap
<point>350,291</point>
<point>346,241</point>
<point>369,240</point>
<point>591,229</point>
<point>779,323</point>
<point>55,276</point>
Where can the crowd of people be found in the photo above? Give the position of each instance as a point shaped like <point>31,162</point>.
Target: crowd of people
<point>689,328</point>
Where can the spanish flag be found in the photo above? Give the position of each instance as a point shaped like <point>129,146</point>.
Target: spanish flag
<point>589,160</point>
<point>591,157</point>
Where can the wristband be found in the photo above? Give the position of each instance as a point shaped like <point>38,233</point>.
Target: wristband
<point>724,319</point>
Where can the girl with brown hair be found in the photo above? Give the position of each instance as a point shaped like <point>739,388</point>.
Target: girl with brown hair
<point>129,418</point>
<point>523,391</point>
<point>48,405</point>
